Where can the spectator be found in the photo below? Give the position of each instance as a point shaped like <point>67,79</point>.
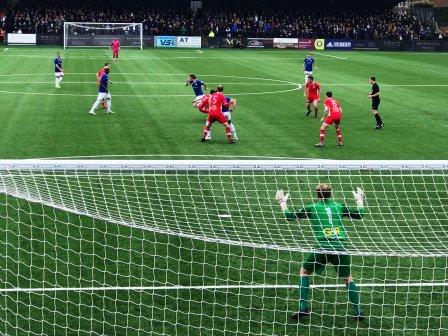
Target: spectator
<point>347,24</point>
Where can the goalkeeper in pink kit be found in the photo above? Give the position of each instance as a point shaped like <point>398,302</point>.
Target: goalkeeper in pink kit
<point>115,47</point>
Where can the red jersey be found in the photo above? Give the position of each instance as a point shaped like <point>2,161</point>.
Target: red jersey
<point>100,73</point>
<point>203,104</point>
<point>115,44</point>
<point>334,107</point>
<point>312,89</point>
<point>216,101</point>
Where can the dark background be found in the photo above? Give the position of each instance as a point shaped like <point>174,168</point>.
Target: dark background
<point>243,4</point>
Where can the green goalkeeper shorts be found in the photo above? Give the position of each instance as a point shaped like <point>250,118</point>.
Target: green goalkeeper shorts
<point>315,263</point>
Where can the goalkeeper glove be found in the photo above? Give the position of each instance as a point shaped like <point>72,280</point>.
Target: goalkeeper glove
<point>282,199</point>
<point>359,197</point>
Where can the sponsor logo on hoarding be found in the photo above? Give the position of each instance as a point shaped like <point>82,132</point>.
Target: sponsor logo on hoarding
<point>342,44</point>
<point>286,43</point>
<point>255,44</point>
<point>319,44</point>
<point>165,41</point>
<point>21,38</point>
<point>188,42</point>
<point>286,40</point>
<point>306,44</point>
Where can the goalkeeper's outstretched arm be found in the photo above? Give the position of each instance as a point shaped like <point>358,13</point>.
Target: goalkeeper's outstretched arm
<point>289,215</point>
<point>357,213</point>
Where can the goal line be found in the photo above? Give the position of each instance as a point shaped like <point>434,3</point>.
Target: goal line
<point>223,287</point>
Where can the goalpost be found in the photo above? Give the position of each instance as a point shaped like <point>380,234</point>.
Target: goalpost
<point>192,247</point>
<point>95,34</point>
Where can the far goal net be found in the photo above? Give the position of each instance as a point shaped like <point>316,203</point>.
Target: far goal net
<point>202,248</point>
<point>94,34</point>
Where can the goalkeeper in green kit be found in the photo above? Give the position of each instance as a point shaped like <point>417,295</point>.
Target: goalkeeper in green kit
<point>326,216</point>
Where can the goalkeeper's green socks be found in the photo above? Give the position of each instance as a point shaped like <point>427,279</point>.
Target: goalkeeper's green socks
<point>353,295</point>
<point>304,289</point>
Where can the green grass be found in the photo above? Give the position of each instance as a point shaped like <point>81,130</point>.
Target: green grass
<point>43,247</point>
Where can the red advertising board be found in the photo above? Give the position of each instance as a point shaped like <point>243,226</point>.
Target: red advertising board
<point>306,44</point>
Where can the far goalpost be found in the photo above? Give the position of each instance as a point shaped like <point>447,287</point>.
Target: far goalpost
<point>202,247</point>
<point>100,34</point>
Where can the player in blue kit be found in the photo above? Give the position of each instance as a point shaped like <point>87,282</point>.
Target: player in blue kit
<point>197,85</point>
<point>103,93</point>
<point>309,64</point>
<point>58,71</point>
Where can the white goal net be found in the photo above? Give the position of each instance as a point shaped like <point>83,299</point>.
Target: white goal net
<point>94,34</point>
<point>202,248</point>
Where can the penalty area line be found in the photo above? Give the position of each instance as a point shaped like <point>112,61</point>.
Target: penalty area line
<point>337,57</point>
<point>223,287</point>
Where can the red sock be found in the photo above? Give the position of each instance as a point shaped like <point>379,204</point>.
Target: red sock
<point>339,135</point>
<point>322,135</point>
<point>228,133</point>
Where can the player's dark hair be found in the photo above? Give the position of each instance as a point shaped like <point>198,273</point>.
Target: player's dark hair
<point>329,94</point>
<point>212,91</point>
<point>220,88</point>
<point>311,77</point>
<point>373,78</point>
<point>106,70</point>
<point>323,191</point>
<point>106,64</point>
<point>193,76</point>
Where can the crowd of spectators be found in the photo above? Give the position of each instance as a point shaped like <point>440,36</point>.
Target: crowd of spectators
<point>353,24</point>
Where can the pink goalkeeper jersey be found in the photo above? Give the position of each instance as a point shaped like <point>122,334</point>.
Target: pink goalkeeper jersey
<point>115,44</point>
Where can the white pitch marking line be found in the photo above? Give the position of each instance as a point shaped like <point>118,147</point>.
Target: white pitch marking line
<point>337,57</point>
<point>200,51</point>
<point>154,83</point>
<point>6,49</point>
<point>223,287</point>
<point>297,88</point>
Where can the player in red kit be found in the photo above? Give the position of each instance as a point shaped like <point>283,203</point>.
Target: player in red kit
<point>216,102</point>
<point>115,47</point>
<point>334,110</point>
<point>98,77</point>
<point>312,92</point>
<point>203,105</point>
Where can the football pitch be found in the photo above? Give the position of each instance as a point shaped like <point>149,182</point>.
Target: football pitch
<point>44,248</point>
<point>153,113</point>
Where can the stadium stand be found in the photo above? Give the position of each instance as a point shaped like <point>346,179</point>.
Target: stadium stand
<point>354,24</point>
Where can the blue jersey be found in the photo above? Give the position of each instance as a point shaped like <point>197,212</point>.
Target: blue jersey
<point>104,80</point>
<point>309,63</point>
<point>197,87</point>
<point>226,108</point>
<point>57,64</point>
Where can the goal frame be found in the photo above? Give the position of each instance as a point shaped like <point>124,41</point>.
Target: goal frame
<point>68,23</point>
<point>227,164</point>
<point>198,244</point>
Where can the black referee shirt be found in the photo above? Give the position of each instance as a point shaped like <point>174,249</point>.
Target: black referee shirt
<point>375,89</point>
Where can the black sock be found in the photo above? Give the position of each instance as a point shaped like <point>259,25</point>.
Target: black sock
<point>378,119</point>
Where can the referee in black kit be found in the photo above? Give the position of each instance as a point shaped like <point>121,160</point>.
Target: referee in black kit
<point>375,95</point>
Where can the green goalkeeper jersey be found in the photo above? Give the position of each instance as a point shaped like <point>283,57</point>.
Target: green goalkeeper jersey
<point>326,222</point>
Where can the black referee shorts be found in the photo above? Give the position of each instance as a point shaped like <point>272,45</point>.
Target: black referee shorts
<point>375,104</point>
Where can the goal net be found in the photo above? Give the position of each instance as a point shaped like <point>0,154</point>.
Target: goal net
<point>94,34</point>
<point>202,248</point>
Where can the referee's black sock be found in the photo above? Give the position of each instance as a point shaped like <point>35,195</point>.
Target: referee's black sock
<point>378,119</point>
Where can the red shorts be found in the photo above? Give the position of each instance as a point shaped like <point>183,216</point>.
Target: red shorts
<point>330,120</point>
<point>312,99</point>
<point>216,116</point>
<point>115,51</point>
